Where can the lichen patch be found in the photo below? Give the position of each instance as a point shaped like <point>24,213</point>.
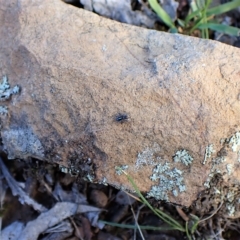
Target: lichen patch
<point>234,141</point>
<point>169,178</point>
<point>6,92</point>
<point>147,157</point>
<point>183,156</point>
<point>208,153</point>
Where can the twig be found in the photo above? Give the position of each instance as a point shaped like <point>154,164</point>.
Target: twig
<point>211,214</point>
<point>136,221</point>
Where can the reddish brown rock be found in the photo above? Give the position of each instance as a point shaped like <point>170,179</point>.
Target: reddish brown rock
<point>96,94</point>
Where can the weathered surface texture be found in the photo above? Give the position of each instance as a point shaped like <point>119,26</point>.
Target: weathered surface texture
<point>77,71</point>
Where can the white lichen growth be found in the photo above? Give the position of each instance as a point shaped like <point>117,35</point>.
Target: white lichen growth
<point>63,169</point>
<point>229,168</point>
<point>90,177</point>
<point>234,141</point>
<point>239,156</point>
<point>210,176</point>
<point>119,169</point>
<point>230,196</point>
<point>183,156</point>
<point>103,181</point>
<point>169,180</point>
<point>3,110</point>
<point>158,170</point>
<point>146,157</point>
<point>22,140</point>
<point>182,188</point>
<point>217,191</point>
<point>231,209</point>
<point>157,193</point>
<point>175,192</point>
<point>6,92</point>
<point>4,84</point>
<point>208,153</point>
<point>219,160</point>
<point>70,170</point>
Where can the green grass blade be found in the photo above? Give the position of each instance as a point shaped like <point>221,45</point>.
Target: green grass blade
<point>176,223</point>
<point>223,8</point>
<point>193,6</point>
<point>204,32</point>
<point>162,14</point>
<point>187,233</point>
<point>181,23</point>
<point>135,226</point>
<point>200,4</point>
<point>196,221</point>
<point>197,23</point>
<point>233,31</point>
<point>169,220</point>
<point>192,15</point>
<point>194,227</point>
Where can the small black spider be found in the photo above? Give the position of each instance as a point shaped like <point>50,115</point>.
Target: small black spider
<point>121,117</point>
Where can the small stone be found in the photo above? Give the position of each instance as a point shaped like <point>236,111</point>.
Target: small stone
<point>123,198</point>
<point>98,198</point>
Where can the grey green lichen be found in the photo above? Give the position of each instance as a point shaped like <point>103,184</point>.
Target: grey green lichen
<point>103,181</point>
<point>234,141</point>
<point>231,209</point>
<point>22,140</point>
<point>3,110</point>
<point>218,160</point>
<point>89,177</point>
<point>169,180</point>
<point>230,197</point>
<point>183,156</point>
<point>147,157</point>
<point>74,173</point>
<point>212,173</point>
<point>119,169</point>
<point>71,171</point>
<point>6,92</point>
<point>208,152</point>
<point>229,168</point>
